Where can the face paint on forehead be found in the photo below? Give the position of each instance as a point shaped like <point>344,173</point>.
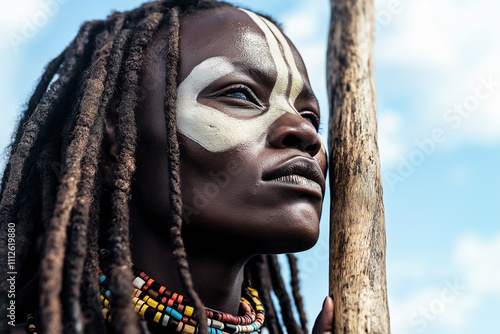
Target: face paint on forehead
<point>217,131</point>
<point>273,36</point>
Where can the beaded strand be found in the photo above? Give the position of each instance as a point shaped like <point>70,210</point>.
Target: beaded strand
<point>31,324</point>
<point>155,303</point>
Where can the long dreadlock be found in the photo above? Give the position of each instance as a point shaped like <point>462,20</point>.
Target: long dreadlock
<point>57,152</point>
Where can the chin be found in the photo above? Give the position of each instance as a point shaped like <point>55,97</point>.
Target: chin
<point>294,238</point>
<point>306,241</point>
<point>304,223</point>
<point>293,230</point>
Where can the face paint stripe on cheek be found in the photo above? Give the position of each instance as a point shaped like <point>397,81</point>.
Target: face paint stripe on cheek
<point>211,128</point>
<point>196,121</point>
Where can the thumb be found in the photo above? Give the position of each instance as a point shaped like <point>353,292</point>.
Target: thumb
<point>324,321</point>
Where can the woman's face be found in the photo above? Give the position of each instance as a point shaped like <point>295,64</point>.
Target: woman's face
<point>252,164</point>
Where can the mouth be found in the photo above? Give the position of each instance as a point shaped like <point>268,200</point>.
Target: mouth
<point>301,172</point>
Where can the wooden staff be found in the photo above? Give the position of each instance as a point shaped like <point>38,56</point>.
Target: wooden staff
<point>357,226</point>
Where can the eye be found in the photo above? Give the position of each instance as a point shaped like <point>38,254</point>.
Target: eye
<point>238,95</point>
<point>241,93</point>
<point>312,118</point>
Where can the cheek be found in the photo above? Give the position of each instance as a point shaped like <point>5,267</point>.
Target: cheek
<point>214,186</point>
<point>150,188</point>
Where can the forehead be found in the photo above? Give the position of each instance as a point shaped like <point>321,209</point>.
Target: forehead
<point>231,33</point>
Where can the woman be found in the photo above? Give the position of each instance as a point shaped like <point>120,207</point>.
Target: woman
<point>176,97</point>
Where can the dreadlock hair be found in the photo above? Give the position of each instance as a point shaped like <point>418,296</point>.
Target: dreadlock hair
<point>57,154</point>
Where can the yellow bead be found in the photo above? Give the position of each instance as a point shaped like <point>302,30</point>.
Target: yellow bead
<point>188,311</point>
<point>137,307</point>
<point>157,317</point>
<point>153,303</point>
<point>143,309</point>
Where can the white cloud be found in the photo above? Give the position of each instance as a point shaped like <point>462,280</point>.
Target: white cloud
<point>459,313</point>
<point>483,124</point>
<point>448,305</point>
<point>22,20</point>
<point>419,35</point>
<point>432,34</point>
<point>479,263</point>
<point>437,307</point>
<point>13,13</point>
<point>443,48</point>
<point>403,311</point>
<point>302,23</point>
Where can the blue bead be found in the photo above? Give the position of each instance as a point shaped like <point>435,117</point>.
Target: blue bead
<point>174,313</point>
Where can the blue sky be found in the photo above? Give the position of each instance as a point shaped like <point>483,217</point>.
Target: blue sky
<point>438,93</point>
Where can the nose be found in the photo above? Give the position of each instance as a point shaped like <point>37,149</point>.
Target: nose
<point>294,131</point>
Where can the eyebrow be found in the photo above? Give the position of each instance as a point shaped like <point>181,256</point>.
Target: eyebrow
<point>263,76</point>
<point>257,73</point>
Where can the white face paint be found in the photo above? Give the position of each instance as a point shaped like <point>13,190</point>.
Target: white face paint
<point>217,131</point>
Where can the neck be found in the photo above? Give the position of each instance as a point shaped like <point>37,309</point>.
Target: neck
<point>217,273</point>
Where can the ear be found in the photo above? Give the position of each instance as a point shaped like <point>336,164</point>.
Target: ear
<point>110,152</point>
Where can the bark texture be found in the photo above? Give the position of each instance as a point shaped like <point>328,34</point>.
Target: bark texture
<point>357,226</point>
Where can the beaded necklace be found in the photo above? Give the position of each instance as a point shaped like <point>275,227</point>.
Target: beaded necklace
<point>174,313</point>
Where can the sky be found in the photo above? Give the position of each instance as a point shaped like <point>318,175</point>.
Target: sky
<point>438,95</point>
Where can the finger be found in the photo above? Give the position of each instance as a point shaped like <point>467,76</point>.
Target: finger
<point>324,321</point>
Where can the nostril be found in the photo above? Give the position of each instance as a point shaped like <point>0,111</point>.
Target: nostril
<point>294,131</point>
<point>313,149</point>
<point>292,141</point>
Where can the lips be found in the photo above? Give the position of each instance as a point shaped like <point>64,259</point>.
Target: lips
<point>298,171</point>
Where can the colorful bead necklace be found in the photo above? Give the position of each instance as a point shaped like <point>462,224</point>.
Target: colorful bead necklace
<point>155,303</point>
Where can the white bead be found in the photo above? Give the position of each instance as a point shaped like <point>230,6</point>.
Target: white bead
<point>138,283</point>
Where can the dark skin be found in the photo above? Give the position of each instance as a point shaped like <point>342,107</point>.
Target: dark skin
<point>249,215</point>
<point>269,188</point>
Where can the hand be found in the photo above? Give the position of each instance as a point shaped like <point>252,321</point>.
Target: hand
<point>324,321</point>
